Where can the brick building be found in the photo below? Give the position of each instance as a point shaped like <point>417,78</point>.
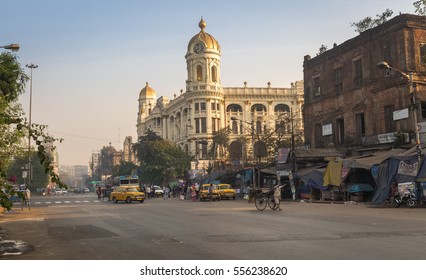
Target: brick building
<point>352,104</point>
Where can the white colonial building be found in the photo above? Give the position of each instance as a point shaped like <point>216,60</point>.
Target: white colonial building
<point>190,119</point>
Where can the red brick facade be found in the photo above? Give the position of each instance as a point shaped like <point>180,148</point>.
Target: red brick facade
<point>350,102</point>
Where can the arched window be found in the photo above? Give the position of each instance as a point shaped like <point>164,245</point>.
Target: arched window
<point>258,108</point>
<point>199,73</point>
<point>214,74</point>
<point>281,108</point>
<point>234,108</point>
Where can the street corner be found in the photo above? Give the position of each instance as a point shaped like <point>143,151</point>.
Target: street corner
<point>16,214</point>
<point>12,247</point>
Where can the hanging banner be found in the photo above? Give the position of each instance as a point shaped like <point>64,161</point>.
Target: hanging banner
<point>407,169</point>
<point>283,155</point>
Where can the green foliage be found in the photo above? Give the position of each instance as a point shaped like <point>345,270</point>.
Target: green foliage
<point>161,161</point>
<point>15,130</point>
<point>420,7</point>
<point>106,161</point>
<point>39,177</point>
<point>12,77</point>
<point>125,168</point>
<point>369,22</point>
<point>322,49</point>
<point>399,139</point>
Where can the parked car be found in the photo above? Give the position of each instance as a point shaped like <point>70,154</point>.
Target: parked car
<point>226,191</point>
<point>85,190</point>
<point>127,194</point>
<point>210,192</point>
<point>57,191</point>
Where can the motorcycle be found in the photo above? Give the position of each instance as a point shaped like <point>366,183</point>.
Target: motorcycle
<point>407,199</point>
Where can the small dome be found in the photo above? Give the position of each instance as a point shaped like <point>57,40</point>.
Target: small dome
<point>147,92</point>
<point>208,40</point>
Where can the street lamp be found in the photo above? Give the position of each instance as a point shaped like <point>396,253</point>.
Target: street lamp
<point>409,77</point>
<point>12,47</point>
<point>31,66</point>
<point>252,142</point>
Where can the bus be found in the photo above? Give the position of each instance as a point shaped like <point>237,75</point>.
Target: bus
<point>126,180</point>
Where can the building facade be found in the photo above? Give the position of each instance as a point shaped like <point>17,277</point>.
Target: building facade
<point>191,119</point>
<point>352,104</point>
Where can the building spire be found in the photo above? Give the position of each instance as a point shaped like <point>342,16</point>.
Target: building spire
<point>202,24</point>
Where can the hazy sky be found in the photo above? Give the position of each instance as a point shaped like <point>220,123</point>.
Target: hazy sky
<point>94,57</point>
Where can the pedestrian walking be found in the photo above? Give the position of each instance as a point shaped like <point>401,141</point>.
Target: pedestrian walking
<point>193,193</point>
<point>148,192</point>
<point>277,196</point>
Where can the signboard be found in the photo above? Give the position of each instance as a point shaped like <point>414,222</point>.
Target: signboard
<point>282,155</point>
<point>283,173</point>
<point>400,114</point>
<point>327,129</point>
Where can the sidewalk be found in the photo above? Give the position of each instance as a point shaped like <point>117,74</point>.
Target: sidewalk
<point>15,247</point>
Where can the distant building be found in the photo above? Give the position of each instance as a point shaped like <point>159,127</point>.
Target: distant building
<point>94,164</point>
<point>74,175</point>
<point>128,153</point>
<point>352,104</point>
<point>192,117</point>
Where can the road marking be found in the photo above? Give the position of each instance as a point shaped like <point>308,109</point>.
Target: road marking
<point>58,202</point>
<point>67,201</point>
<point>86,201</point>
<point>77,201</point>
<point>37,202</point>
<point>48,202</point>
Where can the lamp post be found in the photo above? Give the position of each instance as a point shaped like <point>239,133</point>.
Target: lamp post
<point>252,143</point>
<point>12,47</point>
<point>31,66</point>
<point>409,77</point>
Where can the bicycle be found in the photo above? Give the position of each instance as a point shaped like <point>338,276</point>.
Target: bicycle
<point>264,199</point>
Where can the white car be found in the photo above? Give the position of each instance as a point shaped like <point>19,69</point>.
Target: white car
<point>158,191</point>
<point>59,191</point>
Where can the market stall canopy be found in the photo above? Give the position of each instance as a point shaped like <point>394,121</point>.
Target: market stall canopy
<point>369,160</point>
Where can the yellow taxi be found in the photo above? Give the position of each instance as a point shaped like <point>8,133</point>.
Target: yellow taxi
<point>210,192</point>
<point>127,194</point>
<point>226,191</point>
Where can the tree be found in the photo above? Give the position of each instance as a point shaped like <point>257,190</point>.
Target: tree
<point>369,22</point>
<point>420,7</point>
<point>161,161</point>
<point>125,168</point>
<point>14,128</point>
<point>221,139</point>
<point>39,177</point>
<point>322,49</point>
<point>106,161</point>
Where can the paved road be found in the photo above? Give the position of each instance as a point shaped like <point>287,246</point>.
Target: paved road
<point>173,229</point>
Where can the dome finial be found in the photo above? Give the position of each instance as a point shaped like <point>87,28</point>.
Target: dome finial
<point>202,24</point>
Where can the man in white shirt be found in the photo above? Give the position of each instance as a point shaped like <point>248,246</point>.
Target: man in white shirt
<point>277,196</point>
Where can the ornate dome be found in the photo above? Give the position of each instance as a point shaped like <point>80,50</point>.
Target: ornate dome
<point>209,41</point>
<point>147,92</point>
